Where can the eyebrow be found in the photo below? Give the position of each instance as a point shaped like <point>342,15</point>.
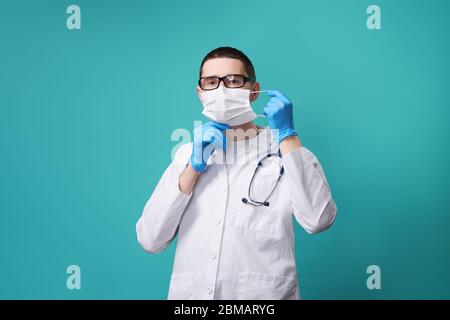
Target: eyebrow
<point>228,74</point>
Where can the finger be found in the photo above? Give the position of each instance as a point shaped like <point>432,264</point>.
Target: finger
<point>208,138</point>
<point>270,108</point>
<point>209,135</point>
<point>278,94</point>
<point>220,126</point>
<point>219,139</point>
<point>268,111</point>
<point>276,103</point>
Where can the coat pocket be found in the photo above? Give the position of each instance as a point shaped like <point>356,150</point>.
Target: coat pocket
<point>265,286</point>
<point>262,187</point>
<point>257,218</point>
<point>181,286</point>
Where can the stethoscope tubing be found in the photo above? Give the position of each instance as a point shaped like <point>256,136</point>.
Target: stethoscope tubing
<point>249,200</point>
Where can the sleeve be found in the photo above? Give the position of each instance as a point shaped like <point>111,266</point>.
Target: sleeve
<point>312,204</point>
<point>162,213</point>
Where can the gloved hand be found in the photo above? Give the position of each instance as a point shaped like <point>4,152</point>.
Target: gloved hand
<point>207,138</point>
<point>279,114</point>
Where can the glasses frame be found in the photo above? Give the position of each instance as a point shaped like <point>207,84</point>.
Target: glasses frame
<point>246,79</point>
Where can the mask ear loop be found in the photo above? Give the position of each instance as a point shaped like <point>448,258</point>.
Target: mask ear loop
<point>260,115</point>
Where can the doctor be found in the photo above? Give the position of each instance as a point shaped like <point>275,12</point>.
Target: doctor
<point>234,219</point>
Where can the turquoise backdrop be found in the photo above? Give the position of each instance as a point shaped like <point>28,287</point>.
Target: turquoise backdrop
<point>86,118</point>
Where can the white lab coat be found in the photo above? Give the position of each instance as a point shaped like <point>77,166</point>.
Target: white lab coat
<point>227,249</point>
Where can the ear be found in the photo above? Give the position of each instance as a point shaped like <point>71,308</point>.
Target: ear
<point>255,87</point>
<point>199,93</point>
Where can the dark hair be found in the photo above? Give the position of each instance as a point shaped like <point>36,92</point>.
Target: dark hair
<point>229,52</point>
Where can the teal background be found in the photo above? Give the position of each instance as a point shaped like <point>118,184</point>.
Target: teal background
<point>86,118</point>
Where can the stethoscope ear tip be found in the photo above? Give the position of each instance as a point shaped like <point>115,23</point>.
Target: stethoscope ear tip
<point>266,203</point>
<point>244,200</point>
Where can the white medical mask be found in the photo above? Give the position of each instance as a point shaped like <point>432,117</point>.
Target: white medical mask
<point>229,106</point>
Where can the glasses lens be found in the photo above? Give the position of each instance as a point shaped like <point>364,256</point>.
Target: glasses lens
<point>209,83</point>
<point>234,81</point>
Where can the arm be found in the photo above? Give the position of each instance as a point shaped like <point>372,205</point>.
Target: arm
<point>289,144</point>
<point>188,179</point>
<point>162,213</point>
<point>159,222</point>
<point>211,134</point>
<point>312,204</point>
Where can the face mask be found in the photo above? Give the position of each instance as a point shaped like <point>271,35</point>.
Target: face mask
<point>229,106</point>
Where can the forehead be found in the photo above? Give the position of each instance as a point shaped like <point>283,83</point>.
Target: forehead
<point>222,66</point>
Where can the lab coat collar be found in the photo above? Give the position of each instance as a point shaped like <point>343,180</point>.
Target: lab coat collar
<point>264,140</point>
<point>263,143</point>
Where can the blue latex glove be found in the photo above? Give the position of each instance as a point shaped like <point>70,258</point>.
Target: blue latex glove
<point>279,114</point>
<point>207,138</point>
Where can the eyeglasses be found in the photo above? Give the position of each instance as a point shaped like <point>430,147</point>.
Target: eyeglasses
<point>230,81</point>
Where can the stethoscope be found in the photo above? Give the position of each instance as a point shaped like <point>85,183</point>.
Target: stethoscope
<point>249,200</point>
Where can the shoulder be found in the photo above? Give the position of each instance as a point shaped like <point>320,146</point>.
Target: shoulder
<point>304,150</point>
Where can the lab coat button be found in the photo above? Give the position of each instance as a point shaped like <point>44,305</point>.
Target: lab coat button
<point>213,256</point>
<point>210,290</point>
<point>219,221</point>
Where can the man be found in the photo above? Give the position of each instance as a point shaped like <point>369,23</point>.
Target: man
<point>233,217</point>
